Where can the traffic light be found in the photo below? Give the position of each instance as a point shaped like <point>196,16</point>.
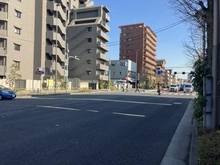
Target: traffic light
<point>175,72</point>
<point>183,72</point>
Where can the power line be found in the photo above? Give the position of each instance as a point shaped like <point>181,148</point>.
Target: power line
<point>141,36</point>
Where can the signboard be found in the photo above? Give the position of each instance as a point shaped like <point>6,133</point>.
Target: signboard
<point>159,72</point>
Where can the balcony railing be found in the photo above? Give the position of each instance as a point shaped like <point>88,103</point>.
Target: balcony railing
<point>103,46</point>
<point>3,33</point>
<point>102,56</point>
<point>103,35</point>
<point>103,77</point>
<point>102,67</point>
<point>2,70</point>
<point>3,15</point>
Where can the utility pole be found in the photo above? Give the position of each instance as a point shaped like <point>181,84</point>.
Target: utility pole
<point>136,77</point>
<point>56,49</point>
<point>216,67</point>
<point>109,75</point>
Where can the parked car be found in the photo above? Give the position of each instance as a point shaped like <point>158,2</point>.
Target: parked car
<point>174,88</point>
<point>6,93</point>
<point>188,88</point>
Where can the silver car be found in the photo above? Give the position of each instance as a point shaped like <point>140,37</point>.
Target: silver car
<point>173,88</point>
<point>188,88</point>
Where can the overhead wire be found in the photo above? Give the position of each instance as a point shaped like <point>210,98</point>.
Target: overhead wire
<point>156,31</point>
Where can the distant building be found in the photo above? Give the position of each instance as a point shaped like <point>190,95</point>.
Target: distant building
<point>87,40</point>
<point>161,76</point>
<point>123,70</point>
<point>168,77</point>
<point>138,44</point>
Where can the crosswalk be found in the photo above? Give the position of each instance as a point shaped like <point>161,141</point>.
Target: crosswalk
<point>173,93</point>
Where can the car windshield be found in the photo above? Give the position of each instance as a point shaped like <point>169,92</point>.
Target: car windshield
<point>3,87</point>
<point>188,86</point>
<point>173,86</point>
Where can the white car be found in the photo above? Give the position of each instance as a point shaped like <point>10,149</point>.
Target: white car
<point>174,88</point>
<point>188,88</point>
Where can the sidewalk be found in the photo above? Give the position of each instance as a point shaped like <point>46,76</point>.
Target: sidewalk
<point>184,140</point>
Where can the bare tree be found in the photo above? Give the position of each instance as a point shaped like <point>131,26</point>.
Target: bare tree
<point>193,46</point>
<point>197,14</point>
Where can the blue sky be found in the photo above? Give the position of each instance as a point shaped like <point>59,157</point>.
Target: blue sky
<point>155,14</point>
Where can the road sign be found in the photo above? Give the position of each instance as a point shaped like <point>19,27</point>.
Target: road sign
<point>159,72</point>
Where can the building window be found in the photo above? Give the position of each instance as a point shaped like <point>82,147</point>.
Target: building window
<point>17,30</point>
<point>124,34</point>
<point>89,39</point>
<point>131,27</point>
<point>89,50</point>
<point>89,61</point>
<point>120,73</point>
<point>89,29</point>
<point>17,63</point>
<point>89,72</point>
<point>113,73</point>
<point>17,14</point>
<point>124,28</point>
<point>17,47</point>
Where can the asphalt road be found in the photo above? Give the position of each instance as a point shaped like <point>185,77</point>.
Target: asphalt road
<point>88,129</point>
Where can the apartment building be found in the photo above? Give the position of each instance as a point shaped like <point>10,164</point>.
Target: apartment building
<point>138,43</point>
<point>161,77</point>
<point>87,40</point>
<point>32,35</point>
<point>168,77</point>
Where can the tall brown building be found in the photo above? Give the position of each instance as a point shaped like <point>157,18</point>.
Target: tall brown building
<point>138,43</point>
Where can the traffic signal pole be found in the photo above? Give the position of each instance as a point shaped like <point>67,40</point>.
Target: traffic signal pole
<point>216,67</point>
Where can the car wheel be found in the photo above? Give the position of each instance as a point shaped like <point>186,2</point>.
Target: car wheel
<point>1,97</point>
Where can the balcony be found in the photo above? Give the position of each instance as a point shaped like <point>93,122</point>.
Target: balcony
<point>3,15</point>
<point>107,18</point>
<point>102,56</point>
<point>52,51</point>
<point>2,70</point>
<point>60,70</point>
<point>4,1</point>
<point>3,33</point>
<point>52,21</point>
<point>103,46</point>
<point>149,61</point>
<point>105,27</point>
<point>103,35</point>
<point>53,36</point>
<point>52,6</point>
<point>2,51</point>
<point>103,77</point>
<point>102,67</point>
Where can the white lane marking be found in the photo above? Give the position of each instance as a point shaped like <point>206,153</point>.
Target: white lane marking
<point>92,110</point>
<point>122,101</point>
<point>126,114</point>
<point>52,107</point>
<point>176,103</point>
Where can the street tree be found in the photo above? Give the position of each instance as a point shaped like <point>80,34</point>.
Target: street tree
<point>13,75</point>
<point>197,14</point>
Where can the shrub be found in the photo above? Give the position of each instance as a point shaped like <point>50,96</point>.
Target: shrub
<point>200,102</point>
<point>209,147</point>
<point>85,90</point>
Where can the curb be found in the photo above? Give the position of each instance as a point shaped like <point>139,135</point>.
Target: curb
<point>194,145</point>
<point>178,149</point>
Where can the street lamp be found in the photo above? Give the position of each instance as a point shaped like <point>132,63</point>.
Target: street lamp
<point>136,77</point>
